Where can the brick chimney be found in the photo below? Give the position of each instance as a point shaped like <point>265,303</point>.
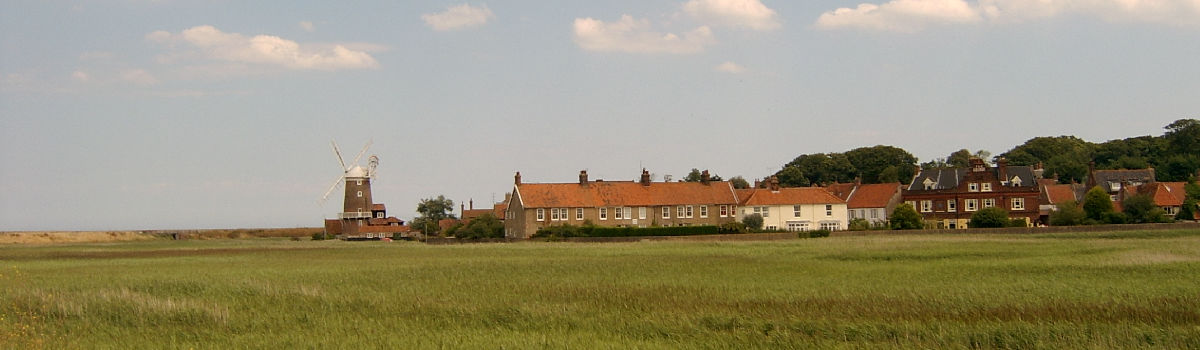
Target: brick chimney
<point>758,183</point>
<point>1002,168</point>
<point>1091,180</point>
<point>704,177</point>
<point>517,178</point>
<point>583,178</point>
<point>645,177</point>
<point>507,197</point>
<point>774,183</point>
<point>471,203</point>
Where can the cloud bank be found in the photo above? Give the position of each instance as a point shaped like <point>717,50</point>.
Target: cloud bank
<point>458,17</point>
<point>915,15</point>
<point>637,36</point>
<point>211,43</point>
<point>737,13</point>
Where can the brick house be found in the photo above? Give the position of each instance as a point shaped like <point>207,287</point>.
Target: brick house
<point>947,197</point>
<point>618,204</point>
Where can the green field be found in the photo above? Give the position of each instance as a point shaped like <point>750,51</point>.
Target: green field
<point>1096,290</point>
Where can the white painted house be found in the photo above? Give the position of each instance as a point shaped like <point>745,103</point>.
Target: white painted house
<point>794,208</point>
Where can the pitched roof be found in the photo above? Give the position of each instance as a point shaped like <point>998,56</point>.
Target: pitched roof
<point>940,179</point>
<point>841,190</point>
<point>791,196</point>
<point>378,207</point>
<point>873,195</point>
<point>474,213</point>
<point>499,209</point>
<point>1059,193</point>
<point>623,193</point>
<point>1167,193</point>
<point>1108,177</point>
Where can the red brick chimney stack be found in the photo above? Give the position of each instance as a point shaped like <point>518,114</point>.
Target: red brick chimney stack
<point>517,178</point>
<point>583,178</point>
<point>645,177</point>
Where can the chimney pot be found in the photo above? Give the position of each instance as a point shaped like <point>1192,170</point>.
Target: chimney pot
<point>645,177</point>
<point>583,177</point>
<point>517,178</point>
<point>704,177</point>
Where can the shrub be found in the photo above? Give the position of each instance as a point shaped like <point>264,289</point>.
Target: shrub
<point>321,236</point>
<point>816,233</point>
<point>905,217</point>
<point>1018,222</point>
<point>989,217</point>
<point>1096,203</point>
<point>1113,217</point>
<point>859,224</point>
<point>1067,214</point>
<point>753,222</point>
<point>732,227</point>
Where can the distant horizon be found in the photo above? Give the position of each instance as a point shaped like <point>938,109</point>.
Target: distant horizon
<point>163,114</point>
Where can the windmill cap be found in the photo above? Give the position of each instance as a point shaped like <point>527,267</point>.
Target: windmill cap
<point>356,171</point>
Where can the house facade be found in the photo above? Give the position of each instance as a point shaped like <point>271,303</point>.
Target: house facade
<point>643,203</point>
<point>794,208</point>
<point>871,202</point>
<point>947,197</point>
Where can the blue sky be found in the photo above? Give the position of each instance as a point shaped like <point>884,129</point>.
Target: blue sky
<point>215,114</point>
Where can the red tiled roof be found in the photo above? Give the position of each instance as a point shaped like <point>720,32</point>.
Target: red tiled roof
<point>474,213</point>
<point>791,195</point>
<point>378,207</point>
<point>840,190</point>
<point>873,195</point>
<point>1167,193</point>
<point>1056,194</point>
<point>499,209</point>
<point>605,193</point>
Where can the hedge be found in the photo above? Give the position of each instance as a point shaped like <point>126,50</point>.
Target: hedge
<point>598,231</point>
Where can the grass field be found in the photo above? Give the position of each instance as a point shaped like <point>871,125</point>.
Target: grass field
<point>1092,290</point>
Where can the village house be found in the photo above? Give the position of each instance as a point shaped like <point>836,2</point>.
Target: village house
<point>1053,194</point>
<point>1113,181</point>
<point>947,197</point>
<point>871,202</point>
<point>793,208</point>
<point>1169,196</point>
<point>618,204</point>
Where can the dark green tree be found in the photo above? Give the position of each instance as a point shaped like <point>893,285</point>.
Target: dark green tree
<point>1183,136</point>
<point>792,176</point>
<point>1131,153</point>
<point>819,168</point>
<point>959,159</point>
<point>430,212</point>
<point>696,176</point>
<point>905,217</point>
<point>739,182</point>
<point>1140,208</point>
<point>881,163</point>
<point>1067,214</point>
<point>753,221</point>
<point>1097,204</point>
<point>989,217</point>
<point>484,226</point>
<point>1067,156</point>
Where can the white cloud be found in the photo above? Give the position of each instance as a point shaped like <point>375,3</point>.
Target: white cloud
<point>307,26</point>
<point>900,15</point>
<point>210,43</point>
<point>80,76</point>
<point>139,77</point>
<point>914,15</point>
<point>458,17</point>
<point>730,67</point>
<point>637,36</point>
<point>739,13</point>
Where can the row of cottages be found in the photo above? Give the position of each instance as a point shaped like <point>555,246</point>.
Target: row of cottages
<point>1119,184</point>
<point>644,203</point>
<point>947,197</point>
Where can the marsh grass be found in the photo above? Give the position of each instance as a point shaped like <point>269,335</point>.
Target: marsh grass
<point>918,291</point>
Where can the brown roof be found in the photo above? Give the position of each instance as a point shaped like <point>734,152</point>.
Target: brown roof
<point>499,209</point>
<point>384,221</point>
<point>1166,193</point>
<point>474,213</point>
<point>606,193</point>
<point>791,195</point>
<point>1056,194</point>
<point>873,195</point>
<point>841,190</point>
<point>378,207</point>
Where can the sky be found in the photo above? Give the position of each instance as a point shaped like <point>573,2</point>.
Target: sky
<point>131,114</point>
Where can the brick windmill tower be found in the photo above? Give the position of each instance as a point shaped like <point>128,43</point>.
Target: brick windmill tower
<point>361,218</point>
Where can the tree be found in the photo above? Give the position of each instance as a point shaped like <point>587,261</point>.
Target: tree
<point>1140,208</point>
<point>753,221</point>
<point>819,168</point>
<point>432,211</point>
<point>905,217</point>
<point>484,226</point>
<point>1067,214</point>
<point>739,182</point>
<point>1192,196</point>
<point>879,164</point>
<point>960,158</point>
<point>792,176</point>
<point>1096,204</point>
<point>989,217</point>
<point>696,176</point>
<point>1067,156</point>
<point>1183,136</point>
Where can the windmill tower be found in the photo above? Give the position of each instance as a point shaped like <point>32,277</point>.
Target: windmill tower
<point>356,204</point>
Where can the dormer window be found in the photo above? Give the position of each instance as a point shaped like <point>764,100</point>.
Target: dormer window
<point>1115,186</point>
<point>1016,181</point>
<point>929,184</point>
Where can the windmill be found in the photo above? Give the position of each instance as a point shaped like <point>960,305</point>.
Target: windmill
<point>357,181</point>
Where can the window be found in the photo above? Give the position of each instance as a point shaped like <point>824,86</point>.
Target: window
<point>642,213</point>
<point>689,212</point>
<point>926,206</point>
<point>1169,210</point>
<point>603,213</point>
<point>972,204</point>
<point>796,210</point>
<point>358,182</point>
<point>874,213</point>
<point>832,226</point>
<point>562,214</point>
<point>1018,203</point>
<point>578,213</point>
<point>554,214</point>
<point>951,205</point>
<point>989,202</point>
<point>854,214</point>
<point>764,211</point>
<point>666,212</point>
<point>797,226</point>
<point>703,211</point>
<point>541,214</point>
<point>973,187</point>
<point>724,210</point>
<point>679,212</point>
<point>629,213</point>
<point>617,213</point>
<point>987,186</point>
<point>829,210</point>
<point>359,194</point>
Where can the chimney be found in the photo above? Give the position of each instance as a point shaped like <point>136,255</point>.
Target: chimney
<point>645,177</point>
<point>758,183</point>
<point>583,178</point>
<point>517,178</point>
<point>704,177</point>
<point>1002,167</point>
<point>472,203</point>
<point>774,183</point>
<point>1091,181</point>
<point>857,181</point>
<point>461,208</point>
